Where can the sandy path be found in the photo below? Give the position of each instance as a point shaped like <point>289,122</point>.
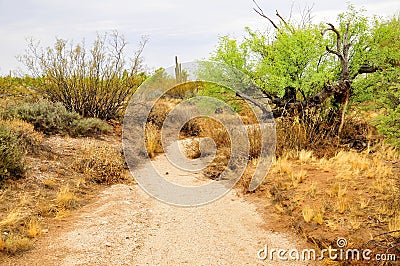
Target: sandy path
<point>125,226</point>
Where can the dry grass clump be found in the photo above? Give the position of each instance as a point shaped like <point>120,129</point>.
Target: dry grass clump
<point>383,151</point>
<point>255,141</point>
<point>282,166</point>
<point>17,230</point>
<point>214,129</point>
<point>394,226</point>
<point>158,113</point>
<point>193,128</point>
<point>13,217</point>
<point>100,164</point>
<point>13,243</point>
<point>33,228</point>
<point>153,140</point>
<point>352,194</point>
<point>351,164</point>
<point>309,133</point>
<point>308,214</point>
<point>66,199</point>
<point>192,148</point>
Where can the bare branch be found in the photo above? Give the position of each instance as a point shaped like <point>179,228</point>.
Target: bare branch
<point>260,12</point>
<point>282,19</point>
<point>337,53</point>
<point>346,34</point>
<point>137,59</point>
<point>338,36</point>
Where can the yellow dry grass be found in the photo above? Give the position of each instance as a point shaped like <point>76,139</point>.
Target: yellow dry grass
<point>12,218</point>
<point>33,228</point>
<point>153,140</point>
<point>100,164</point>
<point>15,243</point>
<point>308,214</point>
<point>66,199</point>
<point>352,194</point>
<point>394,226</point>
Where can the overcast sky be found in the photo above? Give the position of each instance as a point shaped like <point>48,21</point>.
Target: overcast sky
<point>187,28</point>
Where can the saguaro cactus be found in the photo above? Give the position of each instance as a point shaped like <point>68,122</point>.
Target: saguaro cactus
<point>180,76</point>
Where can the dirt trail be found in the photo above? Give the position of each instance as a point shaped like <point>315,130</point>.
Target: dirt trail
<point>125,226</point>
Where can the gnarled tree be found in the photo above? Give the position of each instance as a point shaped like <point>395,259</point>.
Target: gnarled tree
<point>305,66</point>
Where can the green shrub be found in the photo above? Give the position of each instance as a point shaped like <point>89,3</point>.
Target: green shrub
<point>90,127</point>
<point>53,118</point>
<point>29,138</point>
<point>50,118</point>
<point>389,126</point>
<point>11,155</point>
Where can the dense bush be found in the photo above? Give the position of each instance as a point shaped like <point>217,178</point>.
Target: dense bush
<point>90,127</point>
<point>11,155</point>
<point>95,82</point>
<point>53,118</point>
<point>28,137</point>
<point>390,126</point>
<point>50,118</point>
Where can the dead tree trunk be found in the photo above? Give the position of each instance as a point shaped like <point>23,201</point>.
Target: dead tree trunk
<point>343,91</point>
<point>339,91</point>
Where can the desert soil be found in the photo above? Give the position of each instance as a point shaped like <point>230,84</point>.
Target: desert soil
<point>125,226</point>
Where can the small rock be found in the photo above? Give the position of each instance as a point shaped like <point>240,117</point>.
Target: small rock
<point>45,231</point>
<point>5,233</point>
<point>108,244</point>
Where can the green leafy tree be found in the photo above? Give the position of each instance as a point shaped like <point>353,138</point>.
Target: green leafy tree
<point>304,66</point>
<point>381,87</point>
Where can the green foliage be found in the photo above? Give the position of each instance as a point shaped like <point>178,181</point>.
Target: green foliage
<point>53,118</point>
<point>382,88</point>
<point>225,95</point>
<point>15,86</point>
<point>90,127</point>
<point>295,56</point>
<point>11,155</point>
<point>389,125</point>
<point>292,60</point>
<point>289,59</point>
<point>384,49</point>
<point>96,82</point>
<point>29,138</point>
<point>47,117</point>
